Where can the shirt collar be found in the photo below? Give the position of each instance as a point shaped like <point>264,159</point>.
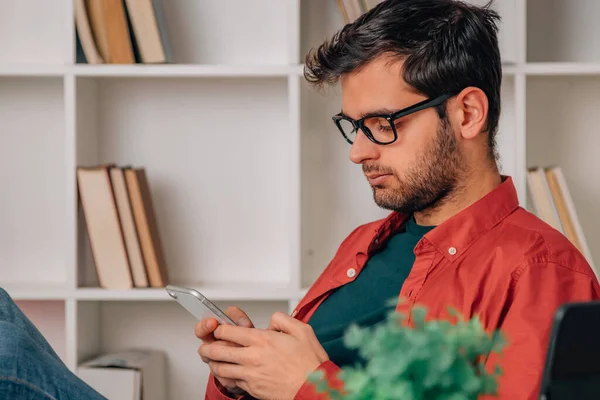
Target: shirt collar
<point>383,231</point>
<point>454,236</point>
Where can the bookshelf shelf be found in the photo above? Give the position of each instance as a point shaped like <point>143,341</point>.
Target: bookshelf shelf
<point>229,292</point>
<point>248,71</point>
<point>252,184</point>
<point>182,71</point>
<point>31,70</point>
<point>37,291</point>
<point>297,70</point>
<point>509,70</point>
<point>233,71</point>
<point>562,68</point>
<point>243,291</point>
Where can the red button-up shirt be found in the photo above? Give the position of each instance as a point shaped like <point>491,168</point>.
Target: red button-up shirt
<point>493,259</point>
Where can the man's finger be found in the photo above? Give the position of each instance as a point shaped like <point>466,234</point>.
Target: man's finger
<point>216,343</point>
<point>205,360</point>
<point>284,323</point>
<point>225,343</point>
<point>237,334</point>
<point>239,317</point>
<point>230,354</point>
<point>205,328</point>
<point>226,370</point>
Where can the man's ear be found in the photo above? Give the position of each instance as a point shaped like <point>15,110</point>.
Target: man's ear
<point>471,108</point>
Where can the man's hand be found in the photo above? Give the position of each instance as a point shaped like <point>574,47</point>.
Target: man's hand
<point>205,331</point>
<point>272,363</point>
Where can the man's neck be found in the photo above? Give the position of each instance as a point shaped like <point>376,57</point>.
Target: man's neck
<point>473,189</point>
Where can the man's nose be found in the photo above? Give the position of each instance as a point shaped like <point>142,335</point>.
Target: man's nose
<point>363,149</point>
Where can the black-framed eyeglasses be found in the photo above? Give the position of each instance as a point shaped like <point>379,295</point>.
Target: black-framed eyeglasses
<point>381,128</point>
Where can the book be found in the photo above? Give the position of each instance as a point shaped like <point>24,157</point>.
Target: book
<point>552,202</point>
<point>137,56</point>
<point>353,9</point>
<point>132,243</point>
<point>570,213</point>
<point>146,31</point>
<point>87,52</point>
<point>369,4</point>
<point>163,29</point>
<point>350,10</point>
<point>343,13</point>
<point>104,227</point>
<point>111,30</point>
<point>147,226</point>
<point>561,207</point>
<point>541,198</point>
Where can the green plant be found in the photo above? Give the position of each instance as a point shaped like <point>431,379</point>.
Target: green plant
<point>431,360</point>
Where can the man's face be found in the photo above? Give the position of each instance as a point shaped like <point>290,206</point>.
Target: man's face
<point>424,166</point>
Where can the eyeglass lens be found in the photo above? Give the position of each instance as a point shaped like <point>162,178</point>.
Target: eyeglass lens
<point>378,127</point>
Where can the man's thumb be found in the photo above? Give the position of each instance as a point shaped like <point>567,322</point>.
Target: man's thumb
<point>239,317</point>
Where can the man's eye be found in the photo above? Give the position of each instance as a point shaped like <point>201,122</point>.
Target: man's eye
<point>385,127</point>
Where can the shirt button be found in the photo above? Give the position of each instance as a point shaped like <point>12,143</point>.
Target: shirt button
<point>452,251</point>
<point>351,272</point>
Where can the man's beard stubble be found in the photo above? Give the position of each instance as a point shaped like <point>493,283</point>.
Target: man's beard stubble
<point>433,179</point>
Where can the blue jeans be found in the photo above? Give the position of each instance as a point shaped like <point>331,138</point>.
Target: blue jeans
<point>29,367</point>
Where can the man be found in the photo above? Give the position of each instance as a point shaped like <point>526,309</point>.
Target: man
<point>420,107</point>
<point>29,366</point>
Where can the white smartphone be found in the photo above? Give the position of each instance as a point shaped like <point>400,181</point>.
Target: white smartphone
<point>197,304</point>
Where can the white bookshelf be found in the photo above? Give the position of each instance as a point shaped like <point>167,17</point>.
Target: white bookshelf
<point>251,208</point>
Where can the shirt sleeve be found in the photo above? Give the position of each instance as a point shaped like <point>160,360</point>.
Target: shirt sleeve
<point>214,391</point>
<point>307,390</point>
<point>536,295</point>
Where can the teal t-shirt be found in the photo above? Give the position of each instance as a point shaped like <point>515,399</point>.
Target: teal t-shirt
<point>365,301</point>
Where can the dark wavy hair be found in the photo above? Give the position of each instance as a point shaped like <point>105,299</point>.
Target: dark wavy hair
<point>446,45</point>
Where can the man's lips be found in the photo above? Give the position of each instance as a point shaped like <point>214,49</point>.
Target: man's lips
<point>377,179</point>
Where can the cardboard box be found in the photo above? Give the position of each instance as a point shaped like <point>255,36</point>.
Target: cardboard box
<point>127,375</point>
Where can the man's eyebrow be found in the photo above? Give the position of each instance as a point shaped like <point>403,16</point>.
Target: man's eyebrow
<point>377,111</point>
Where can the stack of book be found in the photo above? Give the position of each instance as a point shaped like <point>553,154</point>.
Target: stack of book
<point>121,32</point>
<point>121,226</point>
<point>352,9</point>
<point>553,204</point>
